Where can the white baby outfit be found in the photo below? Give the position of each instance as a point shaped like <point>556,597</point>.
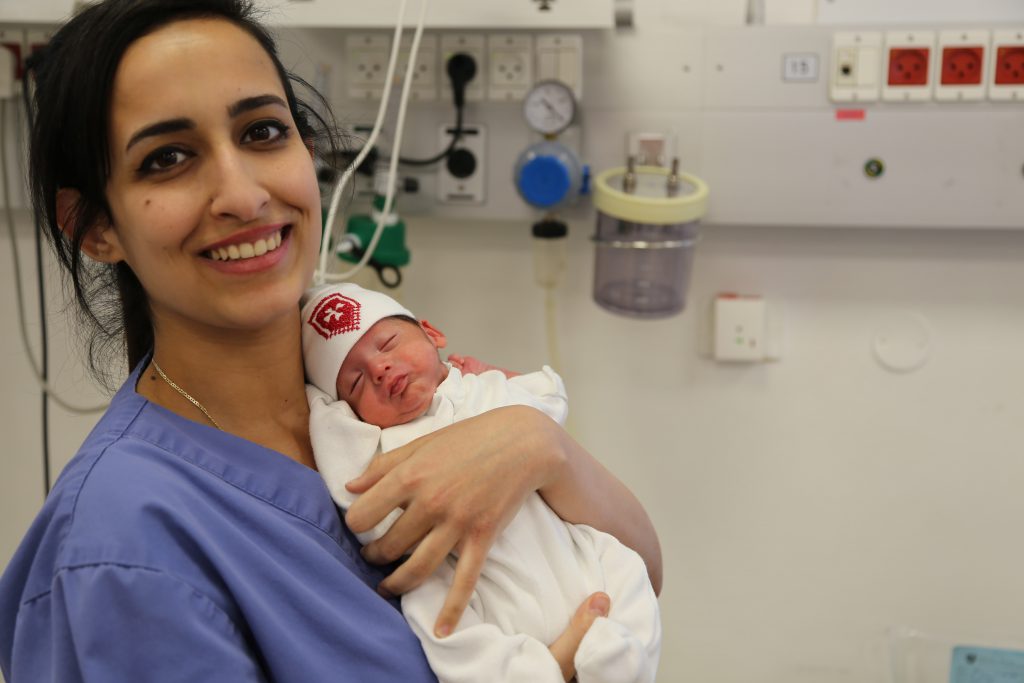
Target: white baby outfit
<point>536,575</point>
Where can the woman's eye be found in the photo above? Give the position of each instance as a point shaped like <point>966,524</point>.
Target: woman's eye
<point>265,131</point>
<point>163,160</point>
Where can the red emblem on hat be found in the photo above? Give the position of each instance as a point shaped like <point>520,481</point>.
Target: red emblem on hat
<point>336,314</point>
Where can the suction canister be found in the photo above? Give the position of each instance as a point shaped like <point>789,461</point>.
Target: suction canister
<point>647,228</point>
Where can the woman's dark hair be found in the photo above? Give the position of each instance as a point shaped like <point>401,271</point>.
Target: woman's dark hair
<point>70,145</point>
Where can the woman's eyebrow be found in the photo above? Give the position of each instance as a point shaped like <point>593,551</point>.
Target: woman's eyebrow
<point>250,103</point>
<point>161,128</point>
<point>180,124</point>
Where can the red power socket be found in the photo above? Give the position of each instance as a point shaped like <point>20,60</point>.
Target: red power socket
<point>908,66</point>
<point>1010,65</point>
<point>962,65</point>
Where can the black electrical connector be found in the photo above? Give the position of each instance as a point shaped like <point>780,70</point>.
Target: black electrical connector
<point>461,69</point>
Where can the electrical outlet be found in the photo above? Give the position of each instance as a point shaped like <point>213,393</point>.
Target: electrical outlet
<point>1007,66</point>
<point>964,68</point>
<point>856,57</point>
<point>1010,66</point>
<point>908,66</point>
<point>476,47</point>
<point>510,67</point>
<point>739,328</point>
<point>424,77</point>
<point>461,178</point>
<point>963,65</point>
<point>367,60</point>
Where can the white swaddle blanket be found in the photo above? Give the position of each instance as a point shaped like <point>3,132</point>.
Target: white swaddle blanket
<point>537,573</point>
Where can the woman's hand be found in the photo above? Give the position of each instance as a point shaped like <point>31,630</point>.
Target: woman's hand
<point>459,486</point>
<point>564,648</point>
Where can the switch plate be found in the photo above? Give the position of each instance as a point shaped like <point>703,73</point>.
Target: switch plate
<point>908,66</point>
<point>560,58</point>
<point>1006,43</point>
<point>510,67</point>
<point>800,67</point>
<point>856,66</point>
<point>650,148</point>
<point>739,329</point>
<point>476,47</point>
<point>468,190</point>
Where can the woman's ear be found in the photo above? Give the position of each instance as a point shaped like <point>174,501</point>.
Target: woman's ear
<point>101,242</point>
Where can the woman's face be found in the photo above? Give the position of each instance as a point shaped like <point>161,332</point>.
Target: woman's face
<point>212,192</point>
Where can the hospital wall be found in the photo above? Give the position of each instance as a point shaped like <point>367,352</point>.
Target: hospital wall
<point>810,509</point>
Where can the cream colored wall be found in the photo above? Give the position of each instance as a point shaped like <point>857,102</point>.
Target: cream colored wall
<point>807,506</point>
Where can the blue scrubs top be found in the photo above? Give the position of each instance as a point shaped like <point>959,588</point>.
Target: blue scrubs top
<point>170,551</point>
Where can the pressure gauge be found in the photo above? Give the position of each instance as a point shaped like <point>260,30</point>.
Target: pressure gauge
<point>550,107</point>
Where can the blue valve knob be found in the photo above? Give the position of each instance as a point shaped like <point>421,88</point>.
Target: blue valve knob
<point>547,175</point>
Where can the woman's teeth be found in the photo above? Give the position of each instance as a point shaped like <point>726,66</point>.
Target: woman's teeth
<point>236,252</point>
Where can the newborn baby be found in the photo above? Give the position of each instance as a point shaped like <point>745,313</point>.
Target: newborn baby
<point>377,383</point>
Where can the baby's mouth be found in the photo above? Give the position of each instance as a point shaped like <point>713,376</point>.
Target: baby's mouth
<point>398,386</point>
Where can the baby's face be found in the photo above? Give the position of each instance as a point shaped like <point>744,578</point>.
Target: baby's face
<point>390,375</point>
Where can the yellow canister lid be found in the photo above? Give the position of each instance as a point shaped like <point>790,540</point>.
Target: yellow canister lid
<point>645,205</point>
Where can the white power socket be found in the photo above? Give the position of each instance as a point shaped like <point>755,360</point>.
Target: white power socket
<point>510,67</point>
<point>470,189</point>
<point>739,329</point>
<point>367,61</point>
<point>424,77</point>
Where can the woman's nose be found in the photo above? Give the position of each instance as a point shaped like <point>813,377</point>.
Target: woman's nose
<point>237,191</point>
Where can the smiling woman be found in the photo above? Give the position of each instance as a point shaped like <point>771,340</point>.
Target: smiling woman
<point>191,537</point>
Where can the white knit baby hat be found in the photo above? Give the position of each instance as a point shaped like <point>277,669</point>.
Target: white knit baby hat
<point>334,318</point>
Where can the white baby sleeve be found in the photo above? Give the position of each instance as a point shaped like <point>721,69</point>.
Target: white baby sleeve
<point>626,646</point>
<point>475,651</point>
<point>547,390</point>
<point>343,447</point>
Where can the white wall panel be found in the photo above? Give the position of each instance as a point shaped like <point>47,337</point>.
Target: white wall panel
<point>920,11</point>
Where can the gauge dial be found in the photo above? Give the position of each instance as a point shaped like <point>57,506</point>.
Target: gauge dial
<point>550,107</point>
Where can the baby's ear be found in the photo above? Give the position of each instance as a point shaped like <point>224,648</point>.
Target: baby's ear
<point>101,242</point>
<point>435,335</point>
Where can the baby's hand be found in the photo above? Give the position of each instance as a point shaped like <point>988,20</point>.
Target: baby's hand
<point>468,365</point>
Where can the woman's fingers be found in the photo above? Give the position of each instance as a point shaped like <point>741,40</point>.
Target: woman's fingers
<point>380,466</point>
<point>565,646</point>
<point>467,571</point>
<point>429,554</point>
<point>406,532</point>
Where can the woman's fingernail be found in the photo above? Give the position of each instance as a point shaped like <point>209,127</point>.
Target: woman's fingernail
<point>443,631</point>
<point>384,593</point>
<point>600,604</point>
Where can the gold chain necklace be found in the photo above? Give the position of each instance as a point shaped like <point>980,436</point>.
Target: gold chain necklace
<point>187,395</point>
